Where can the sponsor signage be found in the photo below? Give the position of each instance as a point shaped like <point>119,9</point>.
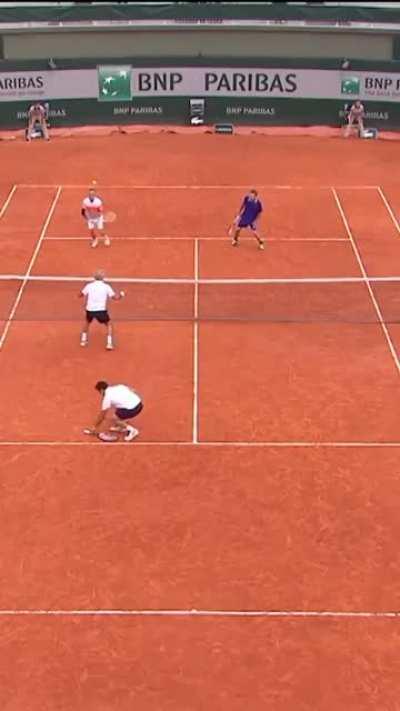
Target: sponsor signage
<point>372,85</point>
<point>113,83</point>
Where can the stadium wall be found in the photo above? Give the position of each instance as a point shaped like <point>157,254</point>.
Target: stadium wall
<point>252,91</point>
<point>267,42</point>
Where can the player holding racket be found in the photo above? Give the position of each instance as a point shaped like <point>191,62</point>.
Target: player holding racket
<point>120,403</point>
<point>97,293</point>
<point>249,214</point>
<point>92,211</point>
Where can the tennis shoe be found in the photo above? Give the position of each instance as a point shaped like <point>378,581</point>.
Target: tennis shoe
<point>110,346</point>
<point>95,242</point>
<point>107,241</point>
<point>235,243</point>
<point>261,245</point>
<point>132,433</point>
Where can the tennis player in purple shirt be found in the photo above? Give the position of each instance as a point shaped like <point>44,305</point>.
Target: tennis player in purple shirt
<point>249,214</point>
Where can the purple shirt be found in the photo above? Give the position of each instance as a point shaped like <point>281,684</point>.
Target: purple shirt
<point>250,209</point>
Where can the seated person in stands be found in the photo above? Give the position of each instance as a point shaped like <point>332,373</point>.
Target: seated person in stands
<point>37,120</point>
<point>355,118</point>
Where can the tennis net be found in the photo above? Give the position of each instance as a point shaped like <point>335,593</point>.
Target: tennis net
<point>341,300</point>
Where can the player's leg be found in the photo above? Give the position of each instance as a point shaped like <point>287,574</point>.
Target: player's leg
<point>349,127</point>
<point>258,237</point>
<point>110,331</point>
<point>45,130</point>
<point>29,130</point>
<point>93,234</point>
<point>105,238</point>
<point>259,240</point>
<point>121,422</point>
<point>236,234</point>
<point>85,329</point>
<point>101,231</point>
<point>360,126</point>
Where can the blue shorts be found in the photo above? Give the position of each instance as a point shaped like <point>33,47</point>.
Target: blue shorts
<point>123,414</point>
<point>243,223</point>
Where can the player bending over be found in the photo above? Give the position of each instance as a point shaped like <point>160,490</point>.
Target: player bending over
<point>355,117</point>
<point>249,215</point>
<point>120,403</point>
<point>92,211</point>
<point>97,293</point>
<point>37,115</point>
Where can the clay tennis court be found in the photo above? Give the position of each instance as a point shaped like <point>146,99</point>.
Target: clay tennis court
<point>243,552</point>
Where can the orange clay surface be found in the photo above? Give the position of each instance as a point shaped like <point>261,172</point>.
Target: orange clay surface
<point>266,475</point>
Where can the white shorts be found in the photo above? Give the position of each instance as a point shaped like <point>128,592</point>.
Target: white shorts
<point>97,223</point>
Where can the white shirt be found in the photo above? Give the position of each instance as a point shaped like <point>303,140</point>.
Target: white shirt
<point>97,293</point>
<point>93,207</point>
<point>120,396</point>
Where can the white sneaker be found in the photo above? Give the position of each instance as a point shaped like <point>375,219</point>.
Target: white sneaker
<point>95,242</point>
<point>132,433</point>
<point>84,342</point>
<point>110,346</point>
<point>107,241</point>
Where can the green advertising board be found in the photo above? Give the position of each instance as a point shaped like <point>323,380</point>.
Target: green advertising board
<point>274,112</point>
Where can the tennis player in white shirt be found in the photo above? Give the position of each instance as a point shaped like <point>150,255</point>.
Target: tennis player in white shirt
<point>92,211</point>
<point>97,293</point>
<point>120,403</point>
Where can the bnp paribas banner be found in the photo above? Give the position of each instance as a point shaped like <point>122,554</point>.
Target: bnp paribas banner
<point>126,83</point>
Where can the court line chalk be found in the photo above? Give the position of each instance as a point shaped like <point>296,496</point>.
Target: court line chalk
<point>31,264</point>
<point>305,614</point>
<point>8,200</point>
<point>374,301</point>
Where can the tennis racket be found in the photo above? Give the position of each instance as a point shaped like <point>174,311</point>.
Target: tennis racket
<point>110,217</point>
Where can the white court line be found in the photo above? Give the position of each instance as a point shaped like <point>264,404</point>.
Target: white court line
<point>187,280</point>
<point>210,239</point>
<point>8,200</point>
<point>101,186</point>
<point>305,614</point>
<point>367,283</point>
<point>27,274</point>
<point>389,209</point>
<point>189,443</point>
<point>195,429</point>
